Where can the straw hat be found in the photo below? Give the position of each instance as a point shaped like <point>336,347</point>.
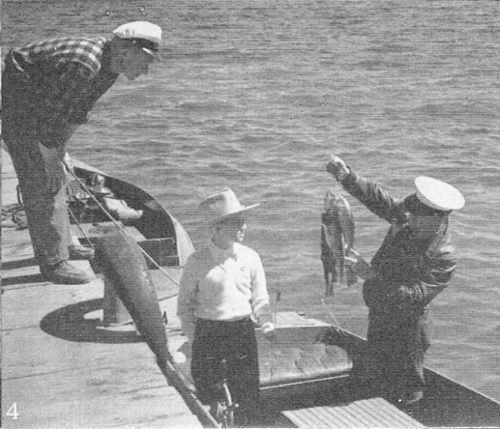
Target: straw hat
<point>438,195</point>
<point>145,34</point>
<point>222,204</point>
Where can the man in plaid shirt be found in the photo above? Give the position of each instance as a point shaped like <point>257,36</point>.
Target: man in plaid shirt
<point>48,90</point>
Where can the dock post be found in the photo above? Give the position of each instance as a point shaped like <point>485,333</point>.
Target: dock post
<point>114,312</point>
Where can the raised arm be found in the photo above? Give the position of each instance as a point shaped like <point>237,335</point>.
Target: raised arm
<point>371,195</point>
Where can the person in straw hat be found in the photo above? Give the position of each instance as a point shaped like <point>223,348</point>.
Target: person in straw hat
<point>413,265</point>
<point>222,289</point>
<point>49,88</point>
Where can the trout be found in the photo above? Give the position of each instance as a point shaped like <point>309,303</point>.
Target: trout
<point>337,222</point>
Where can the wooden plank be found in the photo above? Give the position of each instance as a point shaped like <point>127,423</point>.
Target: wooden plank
<point>59,369</point>
<point>364,413</point>
<point>105,228</point>
<point>166,281</point>
<point>344,418</point>
<point>373,412</point>
<point>292,318</point>
<point>60,377</point>
<point>361,417</point>
<point>397,419</point>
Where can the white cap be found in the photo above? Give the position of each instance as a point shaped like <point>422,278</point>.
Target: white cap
<point>145,33</point>
<point>222,204</point>
<point>438,195</point>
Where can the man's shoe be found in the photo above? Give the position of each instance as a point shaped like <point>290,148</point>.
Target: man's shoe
<point>411,399</point>
<point>79,252</point>
<point>64,273</point>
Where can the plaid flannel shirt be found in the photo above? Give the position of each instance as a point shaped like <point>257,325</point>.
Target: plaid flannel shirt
<point>66,77</point>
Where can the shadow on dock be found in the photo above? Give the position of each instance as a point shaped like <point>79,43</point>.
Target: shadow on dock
<point>18,263</point>
<point>69,323</point>
<point>22,282</point>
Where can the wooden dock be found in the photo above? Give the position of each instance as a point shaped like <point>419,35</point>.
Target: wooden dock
<point>58,368</point>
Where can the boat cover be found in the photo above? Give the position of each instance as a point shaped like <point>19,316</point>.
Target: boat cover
<point>293,363</point>
<point>297,356</point>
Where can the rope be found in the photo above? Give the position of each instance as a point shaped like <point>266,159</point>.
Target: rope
<point>332,317</point>
<point>119,226</point>
<point>80,227</point>
<point>15,212</point>
<point>329,312</point>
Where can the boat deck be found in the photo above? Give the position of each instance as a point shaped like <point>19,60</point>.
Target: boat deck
<point>363,413</point>
<point>58,367</point>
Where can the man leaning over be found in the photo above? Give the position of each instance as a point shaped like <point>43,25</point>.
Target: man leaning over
<point>49,87</point>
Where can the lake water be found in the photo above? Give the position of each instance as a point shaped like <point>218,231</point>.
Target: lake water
<point>255,94</point>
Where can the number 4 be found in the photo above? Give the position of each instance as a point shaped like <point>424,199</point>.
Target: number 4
<point>12,411</point>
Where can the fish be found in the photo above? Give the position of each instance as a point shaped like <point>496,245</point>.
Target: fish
<point>337,239</point>
<point>124,266</point>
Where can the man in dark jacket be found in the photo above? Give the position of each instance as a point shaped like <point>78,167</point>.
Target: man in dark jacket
<point>49,88</point>
<point>412,266</point>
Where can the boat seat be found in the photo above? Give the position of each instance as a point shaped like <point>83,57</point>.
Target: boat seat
<point>93,232</point>
<point>282,366</point>
<point>292,364</point>
<point>162,250</point>
<point>297,357</point>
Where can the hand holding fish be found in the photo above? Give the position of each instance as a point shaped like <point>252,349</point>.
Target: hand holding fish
<point>362,268</point>
<point>337,167</point>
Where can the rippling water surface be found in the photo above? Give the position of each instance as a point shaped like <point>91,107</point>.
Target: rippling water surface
<point>255,94</point>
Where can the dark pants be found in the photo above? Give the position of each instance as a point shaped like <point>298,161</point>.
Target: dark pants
<point>235,342</point>
<point>46,211</point>
<point>397,343</point>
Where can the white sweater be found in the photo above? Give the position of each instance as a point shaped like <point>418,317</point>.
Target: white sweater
<point>223,285</point>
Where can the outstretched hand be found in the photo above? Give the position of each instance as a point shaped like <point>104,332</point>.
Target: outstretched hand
<point>68,163</point>
<point>270,336</point>
<point>362,268</point>
<point>337,167</point>
<point>269,331</point>
<point>54,167</point>
<point>56,175</point>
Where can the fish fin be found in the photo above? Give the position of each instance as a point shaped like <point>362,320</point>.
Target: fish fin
<point>328,235</point>
<point>348,227</point>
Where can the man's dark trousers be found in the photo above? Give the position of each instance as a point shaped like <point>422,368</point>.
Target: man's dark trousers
<point>46,211</point>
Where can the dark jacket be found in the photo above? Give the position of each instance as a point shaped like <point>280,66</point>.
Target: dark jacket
<point>409,272</point>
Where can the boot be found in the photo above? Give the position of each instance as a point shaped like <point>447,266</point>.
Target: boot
<point>64,273</point>
<point>79,252</point>
<point>411,398</point>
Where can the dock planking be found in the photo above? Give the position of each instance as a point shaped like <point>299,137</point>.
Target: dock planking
<point>57,368</point>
